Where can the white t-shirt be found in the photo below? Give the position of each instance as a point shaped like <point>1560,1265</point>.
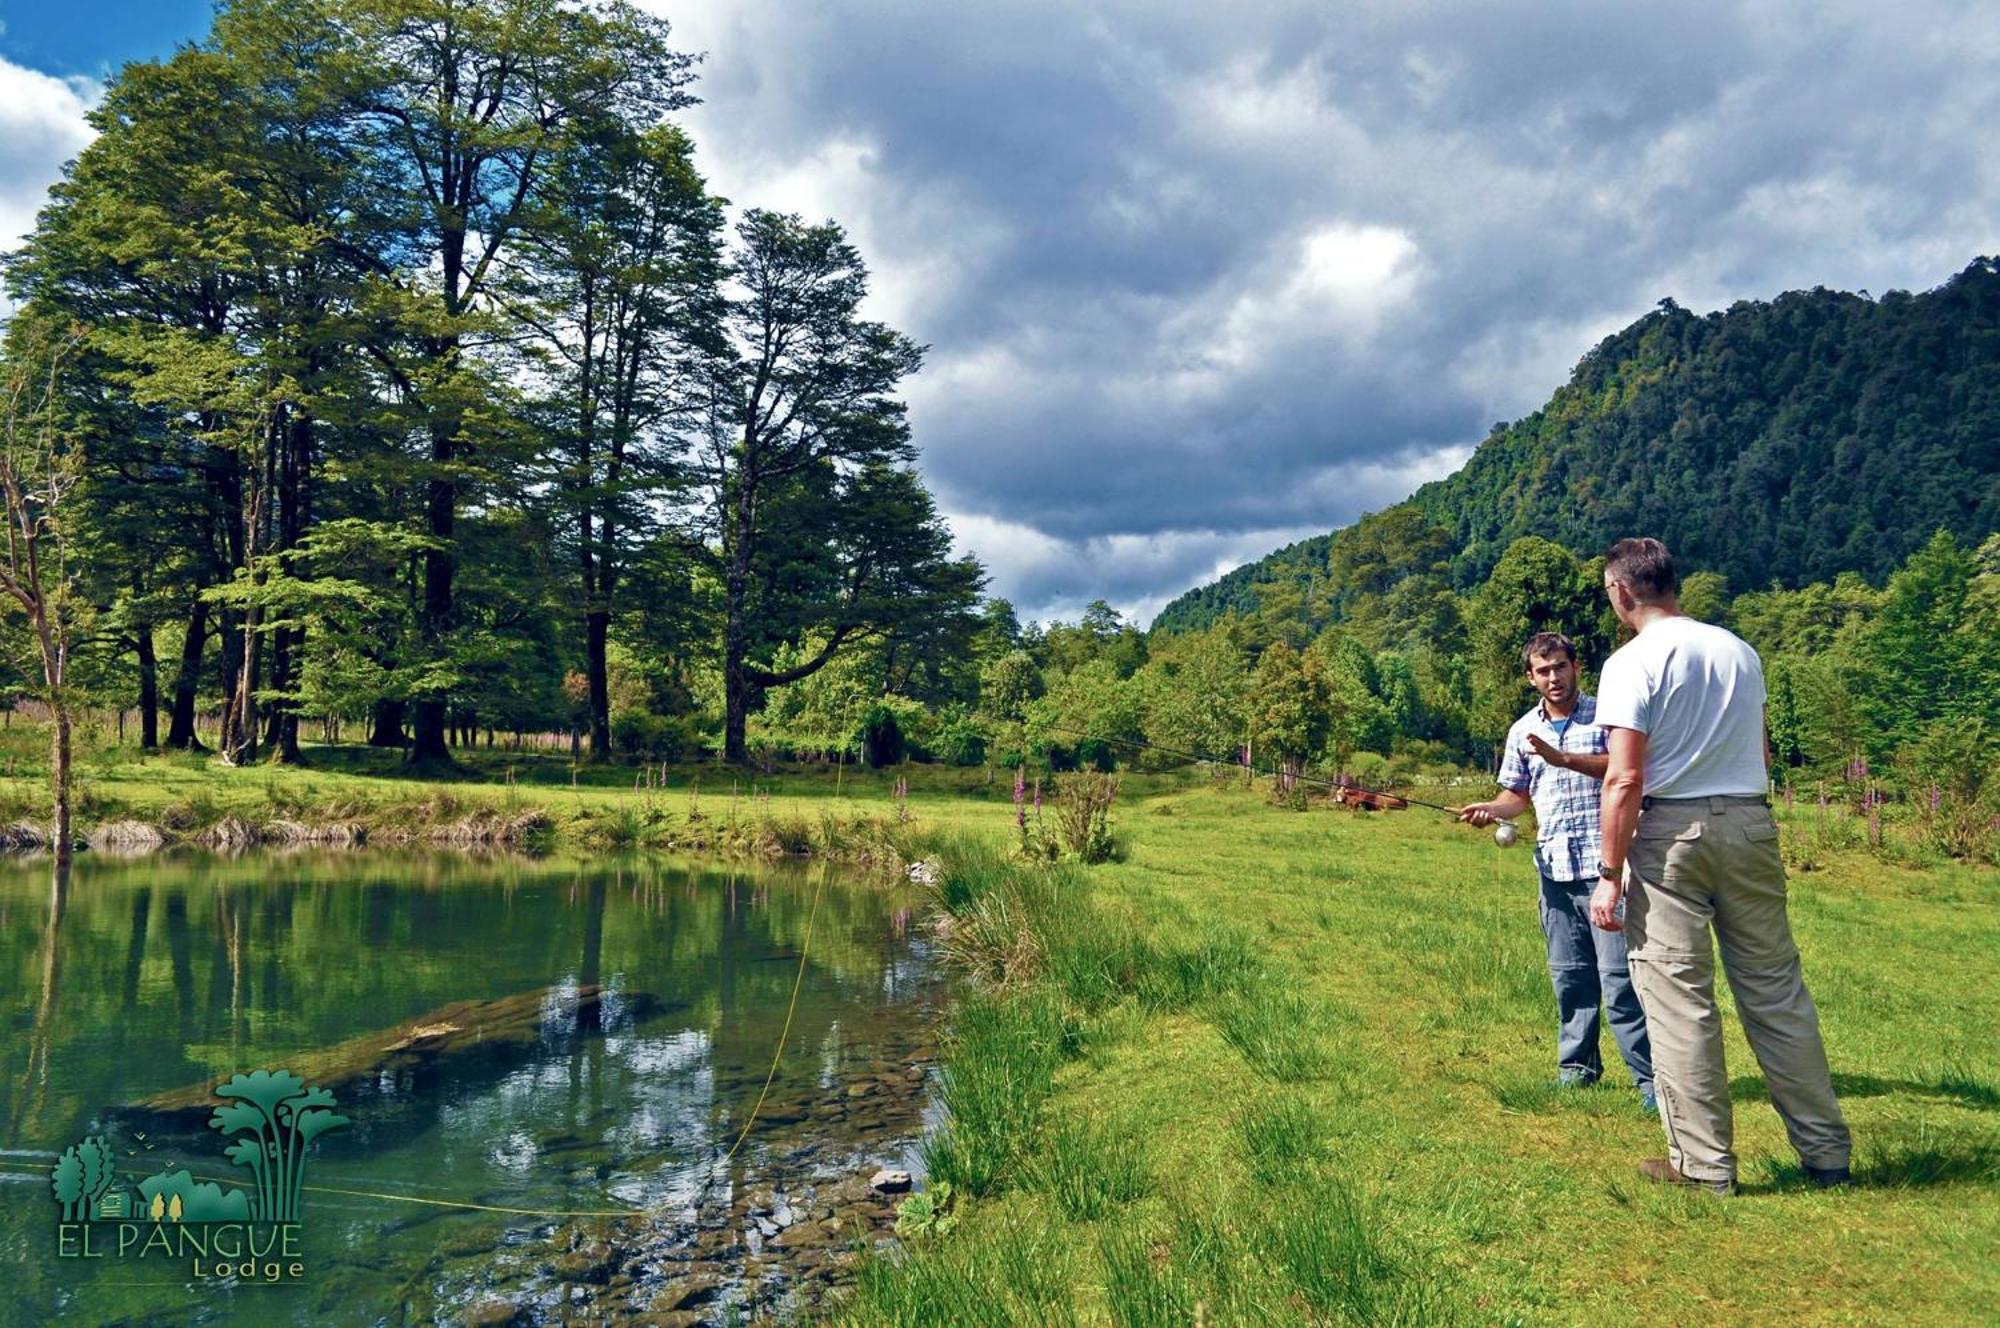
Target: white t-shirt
<point>1697,692</point>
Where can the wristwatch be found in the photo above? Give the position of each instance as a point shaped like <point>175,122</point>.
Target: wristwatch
<point>1606,871</point>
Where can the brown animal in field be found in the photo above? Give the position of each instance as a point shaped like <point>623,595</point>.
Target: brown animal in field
<point>1355,798</point>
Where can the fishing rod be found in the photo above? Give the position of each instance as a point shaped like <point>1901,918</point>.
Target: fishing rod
<point>1342,783</point>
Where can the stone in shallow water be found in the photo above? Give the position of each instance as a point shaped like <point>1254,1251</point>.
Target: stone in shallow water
<point>687,1293</point>
<point>889,1181</point>
<point>491,1314</point>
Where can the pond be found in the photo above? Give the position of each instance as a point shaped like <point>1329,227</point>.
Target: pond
<point>546,1068</point>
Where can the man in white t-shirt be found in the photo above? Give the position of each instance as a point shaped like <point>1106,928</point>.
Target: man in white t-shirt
<point>1686,828</point>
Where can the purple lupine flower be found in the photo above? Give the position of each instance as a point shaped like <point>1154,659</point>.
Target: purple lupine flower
<point>1935,799</point>
<point>1020,797</point>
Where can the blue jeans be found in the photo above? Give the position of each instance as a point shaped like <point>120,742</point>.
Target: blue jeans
<point>1587,966</point>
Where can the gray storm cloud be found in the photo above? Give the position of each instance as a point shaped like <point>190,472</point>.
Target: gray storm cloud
<point>1196,283</point>
<point>1199,282</point>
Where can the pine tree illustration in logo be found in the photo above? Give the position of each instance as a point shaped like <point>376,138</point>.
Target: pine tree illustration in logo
<point>81,1178</point>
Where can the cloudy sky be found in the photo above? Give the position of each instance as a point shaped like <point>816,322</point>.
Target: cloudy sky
<point>1202,280</point>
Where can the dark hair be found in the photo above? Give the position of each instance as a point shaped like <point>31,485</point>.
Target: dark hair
<point>1644,565</point>
<point>1547,643</point>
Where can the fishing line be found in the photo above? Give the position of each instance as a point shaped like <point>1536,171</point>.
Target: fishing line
<point>382,1194</point>
<point>1255,769</point>
<point>798,980</point>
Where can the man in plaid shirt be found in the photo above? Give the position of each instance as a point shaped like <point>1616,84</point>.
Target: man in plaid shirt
<point>1555,758</point>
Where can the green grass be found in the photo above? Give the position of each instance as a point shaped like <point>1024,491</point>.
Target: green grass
<point>1088,1169</point>
<point>1294,1068</point>
<point>1325,1044</point>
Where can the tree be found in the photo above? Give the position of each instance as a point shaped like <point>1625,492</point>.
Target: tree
<point>1537,586</point>
<point>39,468</point>
<point>821,529</point>
<point>463,110</point>
<point>1705,596</point>
<point>623,286</point>
<point>1926,653</point>
<point>1291,708</point>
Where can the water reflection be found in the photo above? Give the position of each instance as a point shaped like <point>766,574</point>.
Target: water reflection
<point>615,1024</point>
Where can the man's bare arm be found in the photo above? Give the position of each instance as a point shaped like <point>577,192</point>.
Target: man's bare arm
<point>1618,817</point>
<point>1504,807</point>
<point>1592,764</point>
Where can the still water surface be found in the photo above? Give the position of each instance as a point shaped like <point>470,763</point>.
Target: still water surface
<point>634,1010</point>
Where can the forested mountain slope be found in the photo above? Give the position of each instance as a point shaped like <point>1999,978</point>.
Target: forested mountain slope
<point>1774,442</point>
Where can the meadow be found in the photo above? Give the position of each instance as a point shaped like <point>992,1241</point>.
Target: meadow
<point>1271,1066</point>
<point>1285,1068</point>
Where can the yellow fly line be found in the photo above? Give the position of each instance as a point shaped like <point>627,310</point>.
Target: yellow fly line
<point>380,1194</point>
<point>784,1033</point>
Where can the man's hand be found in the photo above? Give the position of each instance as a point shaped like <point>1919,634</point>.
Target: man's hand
<point>1503,808</point>
<point>1604,904</point>
<point>1555,756</point>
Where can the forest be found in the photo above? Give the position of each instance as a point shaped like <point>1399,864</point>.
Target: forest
<point>386,373</point>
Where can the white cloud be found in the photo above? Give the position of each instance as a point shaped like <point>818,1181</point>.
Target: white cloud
<point>41,128</point>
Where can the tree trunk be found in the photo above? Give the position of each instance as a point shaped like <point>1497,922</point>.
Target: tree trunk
<point>387,727</point>
<point>439,564</point>
<point>180,729</point>
<point>597,629</point>
<point>149,692</point>
<point>281,659</point>
<point>59,779</point>
<point>735,683</point>
<point>239,718</point>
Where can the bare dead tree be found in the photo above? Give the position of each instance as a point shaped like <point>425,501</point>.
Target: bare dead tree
<point>39,470</point>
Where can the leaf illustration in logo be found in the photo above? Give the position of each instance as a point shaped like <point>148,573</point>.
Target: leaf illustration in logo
<point>263,1087</point>
<point>312,1124</point>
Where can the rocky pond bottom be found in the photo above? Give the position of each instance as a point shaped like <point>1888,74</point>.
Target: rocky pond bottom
<point>545,1069</point>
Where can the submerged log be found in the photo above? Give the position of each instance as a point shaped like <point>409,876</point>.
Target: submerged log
<point>509,1026</point>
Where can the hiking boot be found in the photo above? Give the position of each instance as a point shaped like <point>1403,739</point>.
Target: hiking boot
<point>1662,1171</point>
<point>1828,1178</point>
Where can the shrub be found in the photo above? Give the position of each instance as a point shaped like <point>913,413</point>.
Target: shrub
<point>644,736</point>
<point>1949,772</point>
<point>881,737</point>
<point>959,742</point>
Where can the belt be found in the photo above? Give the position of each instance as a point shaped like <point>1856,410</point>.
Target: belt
<point>1714,802</point>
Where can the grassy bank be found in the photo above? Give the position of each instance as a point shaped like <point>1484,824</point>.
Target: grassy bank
<point>1295,1068</point>
<point>528,801</point>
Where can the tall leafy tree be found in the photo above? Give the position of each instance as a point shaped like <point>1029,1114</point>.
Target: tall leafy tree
<point>464,110</point>
<point>622,281</point>
<point>820,527</point>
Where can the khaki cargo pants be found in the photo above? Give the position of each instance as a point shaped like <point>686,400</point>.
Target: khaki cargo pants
<point>1698,863</point>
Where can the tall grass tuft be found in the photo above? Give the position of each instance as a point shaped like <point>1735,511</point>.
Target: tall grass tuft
<point>1283,1035</point>
<point>1958,1079</point>
<point>1282,1140</point>
<point>1330,1245</point>
<point>1001,1054</point>
<point>1088,1169</point>
<point>1014,1273</point>
<point>1222,964</point>
<point>1142,1286</point>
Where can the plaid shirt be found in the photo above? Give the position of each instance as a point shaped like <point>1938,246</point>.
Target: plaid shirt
<point>1565,801</point>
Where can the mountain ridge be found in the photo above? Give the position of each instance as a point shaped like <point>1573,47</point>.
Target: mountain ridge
<point>1778,441</point>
